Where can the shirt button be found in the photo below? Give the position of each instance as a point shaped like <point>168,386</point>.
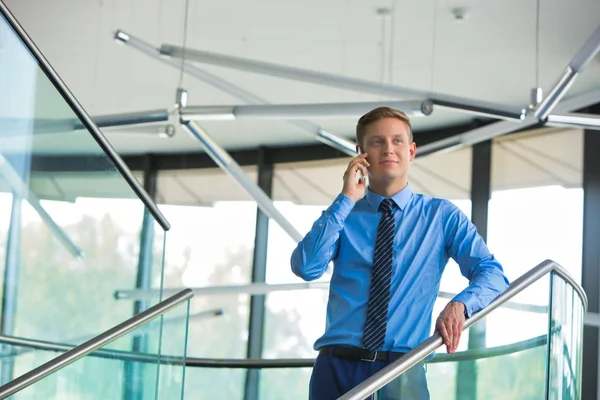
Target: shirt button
<point>320,224</point>
<point>337,202</point>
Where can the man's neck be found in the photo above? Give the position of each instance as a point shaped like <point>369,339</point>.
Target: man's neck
<point>388,189</point>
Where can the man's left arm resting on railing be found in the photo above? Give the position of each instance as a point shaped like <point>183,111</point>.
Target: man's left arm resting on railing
<point>485,274</point>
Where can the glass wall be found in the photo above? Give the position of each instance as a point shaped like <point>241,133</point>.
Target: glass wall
<point>107,232</point>
<point>536,210</point>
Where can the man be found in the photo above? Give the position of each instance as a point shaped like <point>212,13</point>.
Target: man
<point>389,247</point>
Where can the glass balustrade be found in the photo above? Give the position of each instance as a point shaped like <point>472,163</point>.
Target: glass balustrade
<point>73,229</point>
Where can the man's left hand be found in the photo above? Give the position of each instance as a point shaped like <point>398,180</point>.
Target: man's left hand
<point>450,325</point>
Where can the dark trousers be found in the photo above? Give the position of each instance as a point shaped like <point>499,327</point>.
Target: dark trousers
<point>332,377</point>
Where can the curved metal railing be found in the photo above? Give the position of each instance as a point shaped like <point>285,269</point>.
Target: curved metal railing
<point>403,364</point>
<point>249,363</point>
<point>416,355</point>
<point>99,341</point>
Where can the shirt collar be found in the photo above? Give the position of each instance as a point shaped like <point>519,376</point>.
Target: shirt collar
<point>401,198</point>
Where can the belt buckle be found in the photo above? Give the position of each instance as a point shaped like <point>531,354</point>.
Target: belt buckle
<point>369,360</point>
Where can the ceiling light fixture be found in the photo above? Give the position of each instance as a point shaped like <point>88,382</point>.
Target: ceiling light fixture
<point>301,111</point>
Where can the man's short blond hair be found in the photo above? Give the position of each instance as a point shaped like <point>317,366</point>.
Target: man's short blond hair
<point>376,115</point>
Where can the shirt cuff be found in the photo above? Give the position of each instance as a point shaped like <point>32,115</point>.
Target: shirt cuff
<point>468,300</point>
<point>341,207</point>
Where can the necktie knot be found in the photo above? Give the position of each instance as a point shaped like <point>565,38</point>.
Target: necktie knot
<point>386,206</point>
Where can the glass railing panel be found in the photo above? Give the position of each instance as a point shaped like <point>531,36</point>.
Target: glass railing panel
<point>215,383</point>
<point>106,373</point>
<point>291,381</point>
<point>70,216</point>
<point>293,321</point>
<point>72,220</point>
<point>509,363</point>
<point>566,344</point>
<point>217,329</point>
<point>174,339</point>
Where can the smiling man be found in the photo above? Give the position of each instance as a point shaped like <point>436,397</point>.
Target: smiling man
<point>389,247</point>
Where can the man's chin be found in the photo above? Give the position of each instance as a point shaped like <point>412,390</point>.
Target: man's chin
<point>386,177</point>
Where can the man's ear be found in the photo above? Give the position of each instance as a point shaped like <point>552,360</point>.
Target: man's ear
<point>358,149</point>
<point>413,151</point>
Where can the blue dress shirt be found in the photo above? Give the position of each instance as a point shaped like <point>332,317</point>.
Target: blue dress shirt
<point>428,231</point>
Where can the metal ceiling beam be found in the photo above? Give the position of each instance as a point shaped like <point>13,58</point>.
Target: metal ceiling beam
<point>124,119</point>
<point>282,154</point>
<point>474,136</point>
<point>197,159</point>
<point>18,126</point>
<point>585,54</point>
<point>228,164</point>
<point>413,108</point>
<point>575,120</point>
<point>500,128</point>
<point>313,129</point>
<point>470,106</point>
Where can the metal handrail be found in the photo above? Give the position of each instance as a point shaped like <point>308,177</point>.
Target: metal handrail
<point>518,285</point>
<point>85,119</point>
<point>416,355</point>
<point>253,363</point>
<point>99,341</point>
<point>267,288</point>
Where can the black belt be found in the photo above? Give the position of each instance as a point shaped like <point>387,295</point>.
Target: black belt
<point>358,354</point>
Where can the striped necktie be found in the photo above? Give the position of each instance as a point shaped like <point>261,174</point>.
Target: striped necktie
<point>379,294</point>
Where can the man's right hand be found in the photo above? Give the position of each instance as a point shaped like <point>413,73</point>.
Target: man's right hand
<point>353,189</point>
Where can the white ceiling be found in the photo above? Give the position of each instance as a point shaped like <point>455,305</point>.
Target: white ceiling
<point>489,56</point>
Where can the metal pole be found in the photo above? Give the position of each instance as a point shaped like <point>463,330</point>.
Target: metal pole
<point>585,54</point>
<point>23,126</point>
<point>228,164</point>
<point>470,106</point>
<point>474,136</point>
<point>32,345</point>
<point>133,118</point>
<point>134,372</point>
<point>99,341</point>
<point>251,289</point>
<point>256,323</point>
<point>500,128</point>
<point>11,284</point>
<point>301,111</point>
<point>313,129</point>
<point>575,120</point>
